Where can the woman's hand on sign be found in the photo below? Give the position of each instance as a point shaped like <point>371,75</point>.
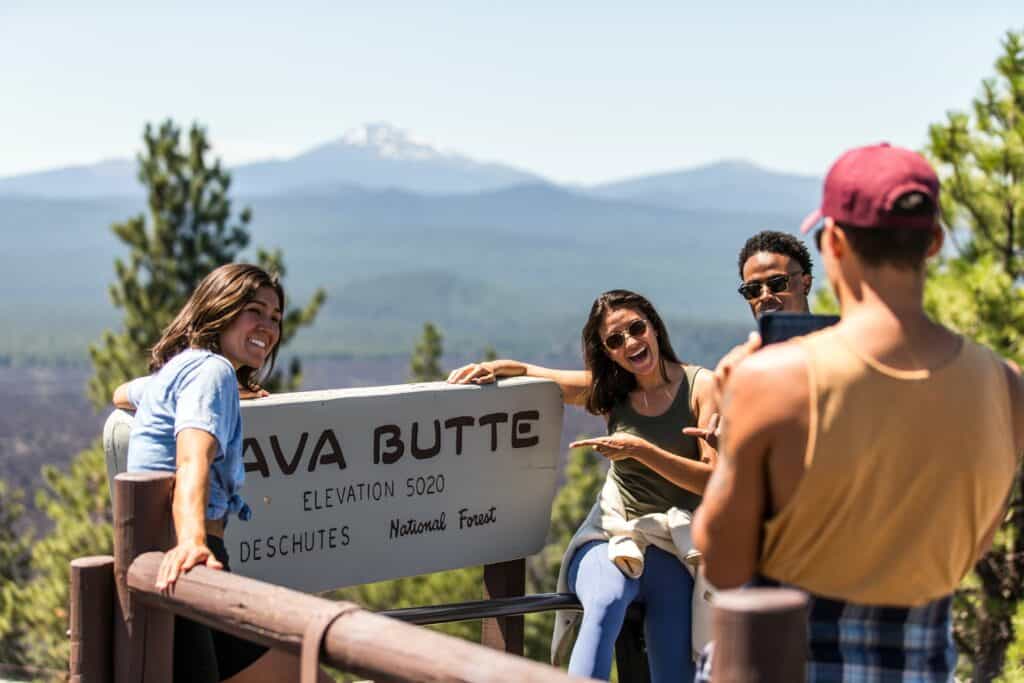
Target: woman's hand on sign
<point>474,373</point>
<point>709,433</point>
<point>180,559</point>
<point>616,446</point>
<point>245,393</point>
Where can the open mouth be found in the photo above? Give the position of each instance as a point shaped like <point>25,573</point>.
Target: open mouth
<point>771,307</point>
<point>258,343</point>
<point>640,357</point>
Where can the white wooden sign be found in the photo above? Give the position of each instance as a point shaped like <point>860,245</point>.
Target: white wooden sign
<point>350,486</point>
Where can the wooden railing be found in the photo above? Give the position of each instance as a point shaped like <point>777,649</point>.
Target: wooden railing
<point>122,626</point>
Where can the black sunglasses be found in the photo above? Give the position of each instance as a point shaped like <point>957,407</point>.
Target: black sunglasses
<point>775,284</point>
<point>634,329</point>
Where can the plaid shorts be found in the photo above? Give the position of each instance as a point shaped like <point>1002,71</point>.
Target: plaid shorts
<point>851,643</point>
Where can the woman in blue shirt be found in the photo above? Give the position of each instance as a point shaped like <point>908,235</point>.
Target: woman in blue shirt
<point>188,421</point>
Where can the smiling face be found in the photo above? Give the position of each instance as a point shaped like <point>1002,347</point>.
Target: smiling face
<point>252,336</point>
<point>792,299</point>
<point>638,354</point>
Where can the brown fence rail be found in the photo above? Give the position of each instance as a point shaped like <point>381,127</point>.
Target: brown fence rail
<point>358,640</point>
<point>122,626</point>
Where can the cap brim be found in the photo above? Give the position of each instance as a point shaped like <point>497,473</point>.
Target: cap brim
<point>813,218</point>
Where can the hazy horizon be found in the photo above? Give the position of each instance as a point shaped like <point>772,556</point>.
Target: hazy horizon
<point>578,93</point>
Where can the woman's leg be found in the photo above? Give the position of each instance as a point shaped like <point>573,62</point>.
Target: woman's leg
<point>605,593</point>
<point>241,661</point>
<point>666,588</point>
<point>195,660</point>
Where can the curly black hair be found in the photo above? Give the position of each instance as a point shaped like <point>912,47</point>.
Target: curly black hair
<point>775,242</point>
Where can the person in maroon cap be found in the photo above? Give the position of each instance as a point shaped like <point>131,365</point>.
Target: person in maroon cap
<point>867,464</point>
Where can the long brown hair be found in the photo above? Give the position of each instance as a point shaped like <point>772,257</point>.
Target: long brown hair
<point>213,306</point>
<point>611,383</point>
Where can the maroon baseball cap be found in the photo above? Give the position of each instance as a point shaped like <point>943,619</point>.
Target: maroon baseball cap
<point>864,184</point>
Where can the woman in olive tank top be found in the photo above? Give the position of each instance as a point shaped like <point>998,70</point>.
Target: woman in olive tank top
<point>656,408</point>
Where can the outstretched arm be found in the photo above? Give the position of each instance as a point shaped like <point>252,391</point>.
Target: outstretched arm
<point>683,472</point>
<point>196,450</point>
<point>573,383</point>
<point>705,408</point>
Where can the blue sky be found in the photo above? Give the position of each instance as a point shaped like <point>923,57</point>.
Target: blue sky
<point>578,91</point>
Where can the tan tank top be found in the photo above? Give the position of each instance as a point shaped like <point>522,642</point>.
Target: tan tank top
<point>905,472</point>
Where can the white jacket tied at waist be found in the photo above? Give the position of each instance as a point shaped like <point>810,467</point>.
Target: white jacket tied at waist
<point>627,541</point>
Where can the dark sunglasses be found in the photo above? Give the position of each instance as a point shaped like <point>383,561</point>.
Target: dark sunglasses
<point>775,284</point>
<point>634,329</point>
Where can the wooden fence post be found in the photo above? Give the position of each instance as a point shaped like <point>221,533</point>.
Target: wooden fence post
<point>504,580</point>
<point>760,636</point>
<point>142,522</point>
<point>92,619</point>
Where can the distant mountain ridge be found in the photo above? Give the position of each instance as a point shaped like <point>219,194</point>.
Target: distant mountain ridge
<point>109,178</point>
<point>733,184</point>
<point>372,156</point>
<point>380,156</point>
<point>400,232</point>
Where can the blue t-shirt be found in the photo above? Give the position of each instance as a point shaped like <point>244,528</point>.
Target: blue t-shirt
<point>196,389</point>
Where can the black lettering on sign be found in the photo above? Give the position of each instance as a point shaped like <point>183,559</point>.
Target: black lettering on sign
<point>469,519</point>
<point>424,453</point>
<point>327,451</point>
<point>289,466</point>
<point>394,442</point>
<point>334,455</point>
<point>293,543</point>
<point>521,428</point>
<point>251,445</point>
<point>493,419</point>
<point>459,423</point>
<point>414,527</point>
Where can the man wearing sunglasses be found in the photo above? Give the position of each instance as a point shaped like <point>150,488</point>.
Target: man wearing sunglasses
<point>776,272</point>
<point>867,464</point>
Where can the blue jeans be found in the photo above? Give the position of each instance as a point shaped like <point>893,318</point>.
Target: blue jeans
<point>665,589</point>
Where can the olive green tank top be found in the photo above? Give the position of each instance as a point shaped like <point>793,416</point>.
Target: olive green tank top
<point>643,490</point>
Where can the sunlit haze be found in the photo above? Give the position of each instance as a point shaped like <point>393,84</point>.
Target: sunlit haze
<point>580,92</point>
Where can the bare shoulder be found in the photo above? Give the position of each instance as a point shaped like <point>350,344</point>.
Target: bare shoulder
<point>703,379</point>
<point>771,381</point>
<point>778,362</point>
<point>703,392</point>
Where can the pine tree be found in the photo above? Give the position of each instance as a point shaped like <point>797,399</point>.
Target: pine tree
<point>977,291</point>
<point>425,364</point>
<point>15,559</point>
<point>190,231</point>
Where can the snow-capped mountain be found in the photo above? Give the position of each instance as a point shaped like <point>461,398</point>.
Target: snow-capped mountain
<point>371,156</point>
